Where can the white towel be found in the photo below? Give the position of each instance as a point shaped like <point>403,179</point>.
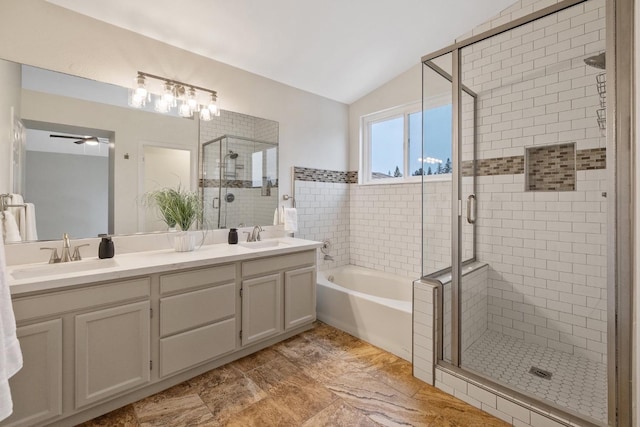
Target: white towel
<point>290,219</point>
<point>10,354</point>
<point>10,230</point>
<point>16,199</point>
<point>26,219</point>
<point>276,217</point>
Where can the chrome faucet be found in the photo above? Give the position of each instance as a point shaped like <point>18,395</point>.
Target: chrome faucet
<point>255,234</point>
<point>66,255</point>
<point>66,252</point>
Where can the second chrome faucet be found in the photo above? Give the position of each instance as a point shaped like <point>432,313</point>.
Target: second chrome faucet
<point>66,251</point>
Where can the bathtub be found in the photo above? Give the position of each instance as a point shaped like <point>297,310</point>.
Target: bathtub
<point>369,304</point>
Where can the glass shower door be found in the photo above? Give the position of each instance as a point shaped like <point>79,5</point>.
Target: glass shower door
<point>533,305</point>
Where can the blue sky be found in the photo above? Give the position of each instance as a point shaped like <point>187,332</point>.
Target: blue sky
<point>387,140</point>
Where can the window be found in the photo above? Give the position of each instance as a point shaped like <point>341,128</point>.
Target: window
<point>392,148</point>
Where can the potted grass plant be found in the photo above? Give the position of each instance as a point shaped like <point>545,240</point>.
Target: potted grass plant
<point>180,208</point>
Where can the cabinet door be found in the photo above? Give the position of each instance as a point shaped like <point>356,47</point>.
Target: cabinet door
<point>112,351</point>
<point>261,308</point>
<point>36,389</point>
<point>299,297</point>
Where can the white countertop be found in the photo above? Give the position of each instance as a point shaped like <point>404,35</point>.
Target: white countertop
<point>43,277</point>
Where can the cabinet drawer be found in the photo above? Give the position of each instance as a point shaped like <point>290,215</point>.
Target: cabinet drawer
<point>80,299</point>
<point>191,348</point>
<point>186,311</point>
<point>278,263</point>
<point>193,279</point>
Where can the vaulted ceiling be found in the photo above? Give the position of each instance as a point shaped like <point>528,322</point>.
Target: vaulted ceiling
<point>339,49</point>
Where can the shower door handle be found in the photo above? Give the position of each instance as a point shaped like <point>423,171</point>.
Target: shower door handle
<point>216,206</point>
<point>471,201</point>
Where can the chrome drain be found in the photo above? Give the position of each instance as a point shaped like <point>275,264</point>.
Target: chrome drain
<point>540,373</point>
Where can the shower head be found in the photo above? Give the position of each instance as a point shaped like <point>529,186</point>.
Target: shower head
<point>596,61</point>
<point>231,155</point>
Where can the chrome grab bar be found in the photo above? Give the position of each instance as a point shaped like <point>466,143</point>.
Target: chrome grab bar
<point>471,200</point>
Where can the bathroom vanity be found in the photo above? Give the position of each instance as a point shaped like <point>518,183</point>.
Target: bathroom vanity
<point>98,338</point>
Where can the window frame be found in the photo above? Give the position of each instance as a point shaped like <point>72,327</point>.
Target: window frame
<point>403,111</point>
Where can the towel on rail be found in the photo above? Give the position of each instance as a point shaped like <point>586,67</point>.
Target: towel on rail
<point>27,222</point>
<point>290,220</point>
<point>10,230</point>
<point>16,199</point>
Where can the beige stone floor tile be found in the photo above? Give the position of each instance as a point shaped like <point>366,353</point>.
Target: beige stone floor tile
<point>228,398</point>
<point>289,387</point>
<point>322,377</point>
<point>340,414</point>
<point>122,417</point>
<point>187,410</point>
<point>265,413</point>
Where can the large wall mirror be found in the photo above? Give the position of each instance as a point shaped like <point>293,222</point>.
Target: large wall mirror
<point>84,159</point>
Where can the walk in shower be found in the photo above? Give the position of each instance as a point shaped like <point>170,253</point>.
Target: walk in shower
<point>517,237</point>
<point>239,181</point>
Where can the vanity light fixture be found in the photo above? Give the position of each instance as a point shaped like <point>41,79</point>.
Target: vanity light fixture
<point>169,94</point>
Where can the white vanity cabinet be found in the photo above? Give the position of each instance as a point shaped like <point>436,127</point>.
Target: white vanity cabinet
<point>36,389</point>
<point>197,317</point>
<point>79,346</point>
<point>91,346</point>
<point>278,294</point>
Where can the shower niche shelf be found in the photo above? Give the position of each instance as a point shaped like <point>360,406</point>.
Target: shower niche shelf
<point>551,167</point>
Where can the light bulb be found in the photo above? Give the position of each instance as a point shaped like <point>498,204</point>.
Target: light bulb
<point>185,110</point>
<point>213,105</point>
<point>205,115</point>
<point>191,100</point>
<point>162,106</point>
<point>168,95</point>
<point>140,88</point>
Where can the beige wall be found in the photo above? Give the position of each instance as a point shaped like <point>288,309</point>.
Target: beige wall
<point>313,129</point>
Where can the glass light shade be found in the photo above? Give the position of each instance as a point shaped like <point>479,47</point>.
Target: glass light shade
<point>205,115</point>
<point>192,101</point>
<point>140,88</point>
<point>162,106</point>
<point>213,106</point>
<point>135,100</point>
<point>91,141</point>
<point>168,95</point>
<point>185,110</point>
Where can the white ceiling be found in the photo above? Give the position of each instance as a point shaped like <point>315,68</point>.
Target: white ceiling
<point>340,49</point>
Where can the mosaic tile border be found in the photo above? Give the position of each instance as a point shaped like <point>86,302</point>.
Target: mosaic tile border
<point>325,175</point>
<point>232,183</point>
<point>588,159</point>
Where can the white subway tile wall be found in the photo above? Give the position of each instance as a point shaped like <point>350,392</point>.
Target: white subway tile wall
<point>546,250</point>
<point>323,214</point>
<point>424,331</point>
<point>385,228</point>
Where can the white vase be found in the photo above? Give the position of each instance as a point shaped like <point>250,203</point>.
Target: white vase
<point>184,241</point>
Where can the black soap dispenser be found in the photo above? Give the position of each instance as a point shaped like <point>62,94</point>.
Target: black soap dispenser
<point>106,248</point>
<point>233,236</point>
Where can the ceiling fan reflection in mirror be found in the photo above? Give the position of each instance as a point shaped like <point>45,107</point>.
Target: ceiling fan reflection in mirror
<point>89,140</point>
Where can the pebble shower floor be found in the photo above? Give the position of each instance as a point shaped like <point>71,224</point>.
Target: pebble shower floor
<point>577,383</point>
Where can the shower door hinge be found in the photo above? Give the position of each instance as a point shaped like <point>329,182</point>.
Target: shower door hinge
<point>240,334</point>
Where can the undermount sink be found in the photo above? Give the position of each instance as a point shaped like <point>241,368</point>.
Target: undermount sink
<point>62,268</point>
<point>271,243</point>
